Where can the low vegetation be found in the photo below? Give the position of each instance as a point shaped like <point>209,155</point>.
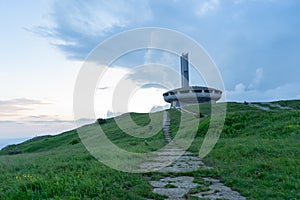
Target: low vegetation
<point>258,154</point>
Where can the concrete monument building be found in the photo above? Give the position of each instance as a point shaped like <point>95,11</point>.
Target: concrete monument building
<point>187,95</point>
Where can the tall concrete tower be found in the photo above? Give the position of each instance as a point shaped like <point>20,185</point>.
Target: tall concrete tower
<point>184,70</point>
<point>188,95</point>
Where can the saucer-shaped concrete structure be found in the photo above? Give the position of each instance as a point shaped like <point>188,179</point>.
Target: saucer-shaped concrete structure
<point>187,95</point>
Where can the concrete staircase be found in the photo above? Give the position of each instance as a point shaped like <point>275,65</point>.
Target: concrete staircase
<point>166,126</point>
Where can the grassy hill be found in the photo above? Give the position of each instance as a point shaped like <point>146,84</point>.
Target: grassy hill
<point>258,154</point>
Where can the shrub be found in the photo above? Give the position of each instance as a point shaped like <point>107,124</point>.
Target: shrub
<point>74,141</point>
<point>101,121</point>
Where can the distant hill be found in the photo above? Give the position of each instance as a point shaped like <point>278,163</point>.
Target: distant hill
<point>7,141</point>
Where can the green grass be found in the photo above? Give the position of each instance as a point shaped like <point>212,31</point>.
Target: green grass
<point>258,154</point>
<point>259,168</point>
<point>169,185</point>
<point>67,176</point>
<point>56,167</point>
<point>295,104</point>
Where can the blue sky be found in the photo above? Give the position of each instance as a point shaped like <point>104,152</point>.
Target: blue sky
<point>255,45</point>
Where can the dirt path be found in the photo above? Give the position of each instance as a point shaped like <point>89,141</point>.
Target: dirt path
<point>259,106</point>
<point>266,106</point>
<point>175,186</point>
<point>276,105</point>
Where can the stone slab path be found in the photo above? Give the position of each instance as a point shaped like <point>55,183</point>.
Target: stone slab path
<point>175,186</point>
<point>266,106</point>
<point>259,106</point>
<point>276,105</point>
<point>218,191</point>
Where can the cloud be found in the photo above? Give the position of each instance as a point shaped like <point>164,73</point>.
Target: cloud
<point>43,119</point>
<point>78,26</point>
<point>283,92</point>
<point>239,36</point>
<point>8,122</point>
<point>9,107</point>
<point>39,117</point>
<point>118,82</point>
<point>239,88</point>
<point>242,88</point>
<point>20,101</point>
<point>207,7</point>
<point>155,74</point>
<point>153,86</point>
<point>258,77</point>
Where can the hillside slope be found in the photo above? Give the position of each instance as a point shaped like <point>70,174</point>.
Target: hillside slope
<point>257,154</point>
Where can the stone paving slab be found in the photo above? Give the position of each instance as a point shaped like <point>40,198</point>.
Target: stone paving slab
<point>184,163</point>
<point>219,191</point>
<point>183,185</point>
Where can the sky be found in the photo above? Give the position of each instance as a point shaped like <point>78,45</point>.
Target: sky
<point>255,45</point>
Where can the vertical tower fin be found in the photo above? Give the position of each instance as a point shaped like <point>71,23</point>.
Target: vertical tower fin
<point>184,70</point>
